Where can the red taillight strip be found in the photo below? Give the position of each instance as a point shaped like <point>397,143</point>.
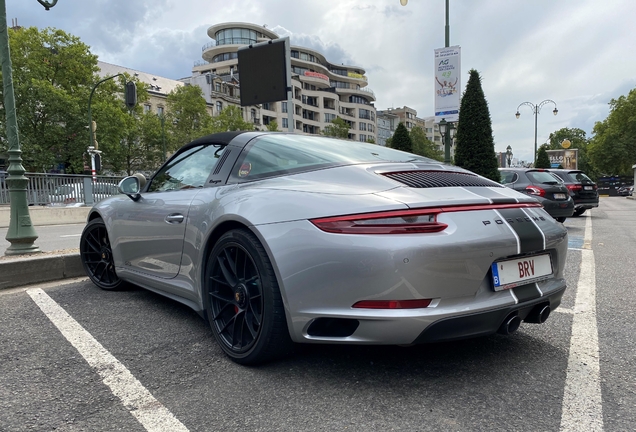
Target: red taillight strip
<point>347,224</point>
<point>392,304</point>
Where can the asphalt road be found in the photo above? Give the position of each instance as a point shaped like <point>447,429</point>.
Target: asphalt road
<point>577,371</point>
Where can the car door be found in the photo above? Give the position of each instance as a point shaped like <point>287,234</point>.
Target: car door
<point>148,234</point>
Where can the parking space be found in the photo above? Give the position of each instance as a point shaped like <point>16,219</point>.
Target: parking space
<point>499,382</point>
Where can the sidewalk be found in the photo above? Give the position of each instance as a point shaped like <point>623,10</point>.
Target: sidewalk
<point>18,270</point>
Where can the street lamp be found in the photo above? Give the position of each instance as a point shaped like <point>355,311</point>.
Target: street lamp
<point>447,129</point>
<point>536,109</point>
<point>509,155</point>
<point>21,233</point>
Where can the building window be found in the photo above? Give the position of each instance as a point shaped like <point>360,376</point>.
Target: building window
<point>363,126</point>
<point>363,138</point>
<point>160,110</point>
<point>253,113</point>
<point>217,87</point>
<point>219,107</point>
<point>364,114</point>
<point>284,107</point>
<point>329,118</point>
<point>147,108</point>
<point>285,123</point>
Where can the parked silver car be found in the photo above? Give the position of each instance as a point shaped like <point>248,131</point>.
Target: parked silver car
<point>279,239</point>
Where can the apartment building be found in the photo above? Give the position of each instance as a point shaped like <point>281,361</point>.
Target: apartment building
<point>322,90</point>
<point>388,120</point>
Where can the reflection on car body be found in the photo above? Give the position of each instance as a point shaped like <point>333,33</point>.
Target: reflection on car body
<point>281,238</point>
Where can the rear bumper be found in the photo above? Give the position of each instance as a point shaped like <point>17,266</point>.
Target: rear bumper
<point>585,203</point>
<point>484,323</point>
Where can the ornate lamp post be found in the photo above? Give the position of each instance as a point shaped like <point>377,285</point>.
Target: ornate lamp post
<point>447,129</point>
<point>536,109</point>
<point>21,233</point>
<point>509,155</point>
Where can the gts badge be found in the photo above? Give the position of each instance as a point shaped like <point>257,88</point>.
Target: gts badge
<point>515,220</point>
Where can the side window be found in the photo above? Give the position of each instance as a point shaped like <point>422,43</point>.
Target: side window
<point>188,170</point>
<point>508,177</point>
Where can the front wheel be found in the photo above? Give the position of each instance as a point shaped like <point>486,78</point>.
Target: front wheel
<point>560,219</point>
<point>97,256</point>
<point>243,300</point>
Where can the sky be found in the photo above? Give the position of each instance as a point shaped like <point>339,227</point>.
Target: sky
<point>577,53</point>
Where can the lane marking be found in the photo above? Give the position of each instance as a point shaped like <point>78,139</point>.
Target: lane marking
<point>70,235</point>
<point>152,415</point>
<point>582,401</point>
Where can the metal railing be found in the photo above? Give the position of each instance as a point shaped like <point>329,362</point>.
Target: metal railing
<point>64,189</point>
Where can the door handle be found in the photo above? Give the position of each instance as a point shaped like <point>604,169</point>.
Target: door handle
<point>174,218</point>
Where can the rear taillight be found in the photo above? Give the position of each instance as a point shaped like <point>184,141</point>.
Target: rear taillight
<point>534,190</point>
<point>402,221</point>
<point>575,187</point>
<point>393,222</point>
<point>392,304</point>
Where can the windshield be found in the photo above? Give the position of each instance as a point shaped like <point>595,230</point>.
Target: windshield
<point>279,154</point>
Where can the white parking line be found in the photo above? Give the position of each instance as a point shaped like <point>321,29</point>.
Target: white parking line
<point>152,415</point>
<point>71,235</point>
<point>582,403</point>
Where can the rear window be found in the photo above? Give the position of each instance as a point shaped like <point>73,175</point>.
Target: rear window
<point>541,177</point>
<point>579,177</point>
<point>280,154</point>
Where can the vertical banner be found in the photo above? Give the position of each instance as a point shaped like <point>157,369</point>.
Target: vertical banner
<point>447,83</point>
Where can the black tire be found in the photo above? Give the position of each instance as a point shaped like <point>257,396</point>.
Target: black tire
<point>243,301</point>
<point>560,219</point>
<point>579,212</point>
<point>97,256</point>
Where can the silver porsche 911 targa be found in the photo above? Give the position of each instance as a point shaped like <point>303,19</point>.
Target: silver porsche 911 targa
<point>277,239</point>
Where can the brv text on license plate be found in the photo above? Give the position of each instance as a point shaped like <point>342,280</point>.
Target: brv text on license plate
<point>511,273</point>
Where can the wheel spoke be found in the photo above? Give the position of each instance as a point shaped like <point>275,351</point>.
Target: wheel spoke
<point>231,261</point>
<point>225,306</point>
<point>219,297</point>
<point>227,273</point>
<point>230,321</point>
<point>220,281</point>
<point>237,329</point>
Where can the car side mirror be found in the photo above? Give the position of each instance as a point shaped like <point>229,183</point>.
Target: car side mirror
<point>130,186</point>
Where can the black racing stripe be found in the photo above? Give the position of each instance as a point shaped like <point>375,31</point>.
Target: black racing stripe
<point>526,292</point>
<point>529,235</point>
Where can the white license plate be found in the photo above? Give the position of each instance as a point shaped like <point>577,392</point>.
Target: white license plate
<point>512,273</point>
<point>559,196</point>
<point>587,187</point>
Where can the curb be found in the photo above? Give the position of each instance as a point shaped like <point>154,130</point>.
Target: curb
<point>37,269</point>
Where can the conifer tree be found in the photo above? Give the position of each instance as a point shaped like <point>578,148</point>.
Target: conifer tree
<point>475,149</point>
<point>401,140</point>
<point>543,160</point>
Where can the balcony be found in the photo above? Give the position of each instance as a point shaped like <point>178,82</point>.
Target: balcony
<point>209,45</point>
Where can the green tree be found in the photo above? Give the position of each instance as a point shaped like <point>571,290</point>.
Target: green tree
<point>124,134</point>
<point>543,160</point>
<point>613,148</point>
<point>338,128</point>
<point>475,149</point>
<point>401,140</point>
<point>187,117</point>
<point>52,73</point>
<point>423,146</point>
<point>371,140</point>
<point>230,119</point>
<point>273,126</point>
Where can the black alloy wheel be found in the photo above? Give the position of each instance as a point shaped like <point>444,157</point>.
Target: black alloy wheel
<point>243,301</point>
<point>579,212</point>
<point>97,256</point>
<point>560,219</point>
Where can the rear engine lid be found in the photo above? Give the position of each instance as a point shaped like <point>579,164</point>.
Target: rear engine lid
<point>424,187</point>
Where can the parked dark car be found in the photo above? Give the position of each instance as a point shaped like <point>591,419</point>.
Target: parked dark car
<point>583,190</point>
<point>543,186</point>
<point>626,191</point>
